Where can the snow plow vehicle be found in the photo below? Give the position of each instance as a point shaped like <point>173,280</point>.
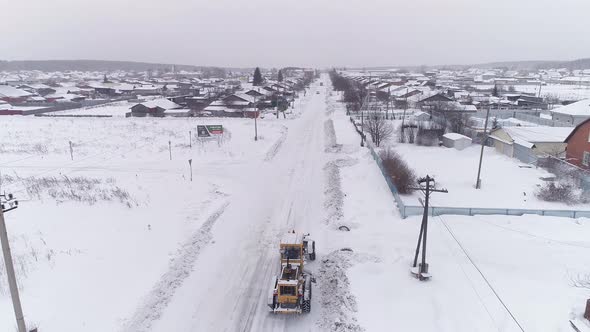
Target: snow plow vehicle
<point>291,291</point>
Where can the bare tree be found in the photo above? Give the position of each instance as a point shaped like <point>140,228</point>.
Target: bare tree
<point>401,174</point>
<point>410,131</point>
<point>581,281</point>
<point>458,121</point>
<point>551,99</point>
<point>379,128</point>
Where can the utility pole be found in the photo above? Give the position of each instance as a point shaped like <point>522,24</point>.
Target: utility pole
<point>362,122</point>
<point>483,142</point>
<point>256,117</point>
<point>9,203</point>
<point>362,129</point>
<point>405,107</point>
<point>71,151</point>
<point>388,102</point>
<point>190,139</point>
<point>421,270</point>
<point>190,165</point>
<point>170,149</point>
<point>277,104</point>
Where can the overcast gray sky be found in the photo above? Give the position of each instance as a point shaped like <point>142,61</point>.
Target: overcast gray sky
<point>277,33</point>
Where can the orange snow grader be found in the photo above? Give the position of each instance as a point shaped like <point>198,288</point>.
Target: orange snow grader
<point>291,291</point>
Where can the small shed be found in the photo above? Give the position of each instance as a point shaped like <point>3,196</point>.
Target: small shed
<point>421,116</point>
<point>457,141</point>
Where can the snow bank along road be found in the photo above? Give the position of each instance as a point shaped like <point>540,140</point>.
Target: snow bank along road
<point>228,286</point>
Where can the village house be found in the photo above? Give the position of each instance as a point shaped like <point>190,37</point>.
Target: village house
<point>258,93</point>
<point>441,104</point>
<point>198,103</point>
<point>527,144</point>
<point>156,108</point>
<point>13,95</point>
<point>146,90</point>
<point>234,105</point>
<point>578,145</point>
<point>573,114</point>
<point>522,101</point>
<point>37,88</point>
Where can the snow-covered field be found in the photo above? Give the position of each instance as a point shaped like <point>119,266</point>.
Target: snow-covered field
<point>120,239</point>
<point>561,91</point>
<point>93,235</point>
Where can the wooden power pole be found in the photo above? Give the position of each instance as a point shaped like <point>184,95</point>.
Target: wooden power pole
<point>421,270</point>
<point>483,143</point>
<point>9,203</point>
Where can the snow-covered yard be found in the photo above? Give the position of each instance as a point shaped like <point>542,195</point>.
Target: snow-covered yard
<point>506,182</point>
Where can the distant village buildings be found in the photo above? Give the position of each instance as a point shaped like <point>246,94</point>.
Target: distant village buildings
<point>152,93</point>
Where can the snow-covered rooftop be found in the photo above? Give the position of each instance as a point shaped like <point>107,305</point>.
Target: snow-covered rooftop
<point>455,136</point>
<point>581,107</point>
<point>9,91</point>
<point>539,134</point>
<point>162,103</point>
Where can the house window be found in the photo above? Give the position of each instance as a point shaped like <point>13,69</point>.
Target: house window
<point>586,159</point>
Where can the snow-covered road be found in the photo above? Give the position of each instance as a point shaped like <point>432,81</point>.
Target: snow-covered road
<point>228,285</point>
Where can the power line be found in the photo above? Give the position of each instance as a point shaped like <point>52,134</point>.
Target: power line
<point>472,286</point>
<point>481,273</point>
<point>534,236</point>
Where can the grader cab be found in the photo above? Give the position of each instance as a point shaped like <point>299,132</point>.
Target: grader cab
<point>291,291</point>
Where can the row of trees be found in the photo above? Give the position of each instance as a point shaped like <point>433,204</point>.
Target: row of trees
<point>378,128</point>
<point>353,92</point>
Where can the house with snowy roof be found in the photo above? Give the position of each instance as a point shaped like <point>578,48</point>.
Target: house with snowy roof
<point>529,143</point>
<point>439,103</point>
<point>258,93</point>
<point>13,95</point>
<point>156,107</point>
<point>234,105</point>
<point>574,113</point>
<point>37,88</point>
